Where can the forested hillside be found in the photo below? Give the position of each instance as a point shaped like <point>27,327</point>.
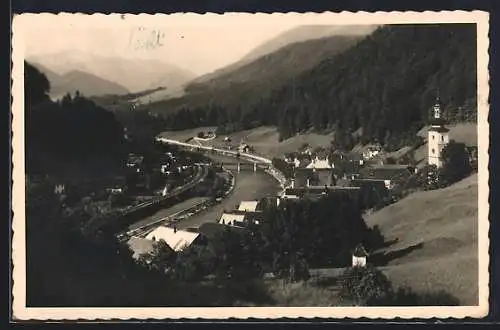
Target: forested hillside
<point>296,35</point>
<point>386,85</point>
<point>73,129</point>
<point>244,85</point>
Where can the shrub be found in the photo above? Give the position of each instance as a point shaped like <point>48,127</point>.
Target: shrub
<point>368,286</point>
<point>364,286</point>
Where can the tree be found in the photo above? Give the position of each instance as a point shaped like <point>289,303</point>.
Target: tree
<point>364,286</point>
<point>161,258</point>
<point>36,85</point>
<point>456,164</point>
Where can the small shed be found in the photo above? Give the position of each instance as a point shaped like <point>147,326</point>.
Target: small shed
<point>359,256</point>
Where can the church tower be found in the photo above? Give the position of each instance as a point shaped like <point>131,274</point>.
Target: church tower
<point>438,136</point>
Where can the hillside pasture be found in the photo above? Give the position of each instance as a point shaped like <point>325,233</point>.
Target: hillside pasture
<point>186,134</point>
<point>436,233</point>
<point>264,139</point>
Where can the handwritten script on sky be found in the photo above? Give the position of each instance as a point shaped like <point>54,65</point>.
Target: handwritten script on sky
<point>146,38</point>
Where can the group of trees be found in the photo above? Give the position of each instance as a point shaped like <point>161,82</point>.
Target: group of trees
<point>72,129</point>
<point>386,85</point>
<point>284,167</point>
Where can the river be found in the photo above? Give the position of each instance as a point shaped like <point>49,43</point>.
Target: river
<point>249,185</point>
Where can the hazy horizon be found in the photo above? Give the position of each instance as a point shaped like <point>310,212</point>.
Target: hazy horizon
<point>200,47</point>
<point>214,46</point>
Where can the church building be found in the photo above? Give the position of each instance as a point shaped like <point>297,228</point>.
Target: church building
<point>438,136</point>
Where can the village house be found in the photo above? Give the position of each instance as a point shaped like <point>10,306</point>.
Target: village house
<point>359,256</point>
<point>248,206</point>
<point>243,147</point>
<point>177,240</point>
<point>372,151</point>
<point>237,218</point>
<point>320,163</point>
<point>306,177</point>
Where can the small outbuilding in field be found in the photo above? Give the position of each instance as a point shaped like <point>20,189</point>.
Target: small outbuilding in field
<point>359,256</point>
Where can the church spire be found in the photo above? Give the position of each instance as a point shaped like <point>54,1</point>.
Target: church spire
<point>437,108</point>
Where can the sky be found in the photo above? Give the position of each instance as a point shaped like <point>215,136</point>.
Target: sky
<point>200,48</point>
<point>198,42</point>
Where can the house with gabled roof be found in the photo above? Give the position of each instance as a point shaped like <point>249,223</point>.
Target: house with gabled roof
<point>321,161</point>
<point>175,239</point>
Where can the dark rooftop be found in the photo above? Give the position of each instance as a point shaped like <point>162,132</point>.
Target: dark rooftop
<point>317,190</point>
<point>360,251</point>
<point>439,129</point>
<point>384,172</point>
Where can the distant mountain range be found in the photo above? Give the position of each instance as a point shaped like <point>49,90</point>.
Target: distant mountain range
<point>298,34</point>
<point>239,84</point>
<point>85,83</point>
<point>132,74</point>
<point>307,32</point>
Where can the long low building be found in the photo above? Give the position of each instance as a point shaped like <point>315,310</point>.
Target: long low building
<point>248,206</point>
<point>239,218</point>
<point>295,193</point>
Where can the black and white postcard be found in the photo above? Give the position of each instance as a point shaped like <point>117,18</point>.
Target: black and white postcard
<point>250,165</point>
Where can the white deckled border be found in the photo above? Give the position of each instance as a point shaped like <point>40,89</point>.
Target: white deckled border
<point>21,312</point>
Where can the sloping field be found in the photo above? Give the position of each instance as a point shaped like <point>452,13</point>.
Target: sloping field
<point>445,223</point>
<point>264,139</point>
<point>186,134</point>
<point>270,145</point>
